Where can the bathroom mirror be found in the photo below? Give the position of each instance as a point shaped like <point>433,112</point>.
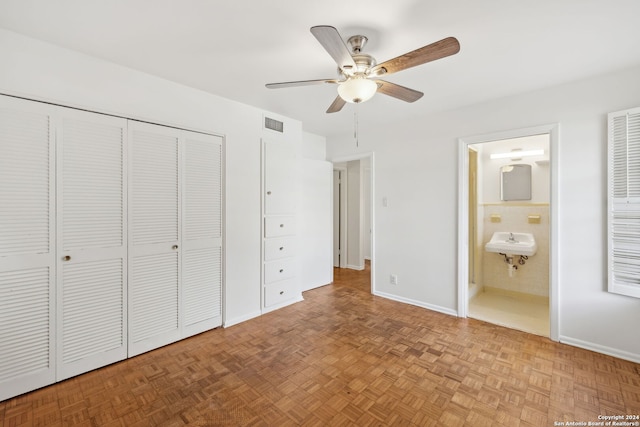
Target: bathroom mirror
<point>515,182</point>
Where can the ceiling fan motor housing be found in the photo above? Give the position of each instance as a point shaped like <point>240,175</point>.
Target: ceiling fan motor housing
<point>364,64</point>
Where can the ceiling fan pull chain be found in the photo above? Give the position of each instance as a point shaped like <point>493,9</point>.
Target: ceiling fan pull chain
<point>356,133</point>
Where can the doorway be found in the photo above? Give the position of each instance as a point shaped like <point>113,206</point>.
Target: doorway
<point>353,213</point>
<point>516,291</point>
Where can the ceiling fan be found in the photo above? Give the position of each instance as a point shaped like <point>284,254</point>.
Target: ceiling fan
<point>359,73</point>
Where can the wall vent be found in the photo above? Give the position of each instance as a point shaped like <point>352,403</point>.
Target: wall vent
<point>273,124</point>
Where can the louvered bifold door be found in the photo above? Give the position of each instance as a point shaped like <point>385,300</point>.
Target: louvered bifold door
<point>92,251</point>
<point>201,233</point>
<point>154,227</point>
<point>27,259</point>
<point>624,202</point>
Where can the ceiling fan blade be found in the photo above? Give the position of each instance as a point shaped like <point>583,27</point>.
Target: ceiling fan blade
<point>337,105</point>
<point>330,39</point>
<point>397,91</point>
<point>300,83</point>
<point>431,52</point>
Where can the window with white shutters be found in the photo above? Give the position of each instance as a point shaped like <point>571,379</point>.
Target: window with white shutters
<point>624,202</point>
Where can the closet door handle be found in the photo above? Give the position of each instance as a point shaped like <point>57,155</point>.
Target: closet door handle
<point>174,247</point>
<point>281,292</point>
<point>281,270</point>
<point>268,193</point>
<point>281,225</point>
<point>66,258</point>
<point>281,248</point>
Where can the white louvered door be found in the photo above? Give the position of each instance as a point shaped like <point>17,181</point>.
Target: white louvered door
<point>155,226</point>
<point>27,247</point>
<point>92,252</point>
<point>624,202</point>
<point>201,233</point>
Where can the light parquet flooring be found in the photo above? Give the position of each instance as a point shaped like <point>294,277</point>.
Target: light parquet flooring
<point>344,357</point>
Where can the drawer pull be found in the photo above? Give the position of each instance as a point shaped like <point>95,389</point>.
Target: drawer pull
<point>174,247</point>
<point>268,193</point>
<point>281,270</point>
<point>281,292</point>
<point>66,258</point>
<point>281,248</point>
<point>281,225</point>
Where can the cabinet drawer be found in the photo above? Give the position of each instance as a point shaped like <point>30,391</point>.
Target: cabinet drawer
<point>279,247</point>
<point>279,270</point>
<point>278,292</point>
<point>276,226</point>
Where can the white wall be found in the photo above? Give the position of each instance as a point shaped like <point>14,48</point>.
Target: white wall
<point>416,235</point>
<point>43,71</point>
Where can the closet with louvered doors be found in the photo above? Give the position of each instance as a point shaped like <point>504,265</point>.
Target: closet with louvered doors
<point>110,240</point>
<point>91,240</point>
<point>175,235</point>
<point>27,246</point>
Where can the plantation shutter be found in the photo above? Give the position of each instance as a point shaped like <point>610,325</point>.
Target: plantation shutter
<point>624,202</point>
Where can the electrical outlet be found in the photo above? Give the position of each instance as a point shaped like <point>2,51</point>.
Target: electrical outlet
<point>393,279</point>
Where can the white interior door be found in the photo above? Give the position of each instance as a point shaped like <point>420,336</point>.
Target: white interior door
<point>92,252</point>
<point>279,158</point>
<point>201,233</point>
<point>336,218</point>
<point>154,237</point>
<point>27,247</point>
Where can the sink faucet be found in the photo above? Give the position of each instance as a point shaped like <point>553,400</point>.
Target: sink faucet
<point>512,239</point>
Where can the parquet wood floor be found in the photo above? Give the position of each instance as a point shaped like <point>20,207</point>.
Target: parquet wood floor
<point>344,357</point>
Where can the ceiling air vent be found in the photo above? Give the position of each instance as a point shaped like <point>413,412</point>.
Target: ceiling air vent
<point>273,124</point>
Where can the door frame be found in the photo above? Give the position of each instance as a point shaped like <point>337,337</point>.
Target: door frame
<point>371,156</point>
<point>553,130</point>
<point>342,214</point>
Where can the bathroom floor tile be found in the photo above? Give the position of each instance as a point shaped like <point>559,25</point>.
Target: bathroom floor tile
<point>521,313</point>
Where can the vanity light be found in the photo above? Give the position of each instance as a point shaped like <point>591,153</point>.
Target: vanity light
<point>516,154</point>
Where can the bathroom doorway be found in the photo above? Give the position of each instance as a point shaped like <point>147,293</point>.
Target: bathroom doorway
<point>514,290</point>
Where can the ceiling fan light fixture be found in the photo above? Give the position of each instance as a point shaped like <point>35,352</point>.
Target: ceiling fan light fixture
<point>357,89</point>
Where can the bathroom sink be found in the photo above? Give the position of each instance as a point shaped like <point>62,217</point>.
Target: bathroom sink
<point>508,243</point>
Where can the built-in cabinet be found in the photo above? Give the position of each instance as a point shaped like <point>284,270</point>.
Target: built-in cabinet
<point>280,283</point>
<point>110,240</point>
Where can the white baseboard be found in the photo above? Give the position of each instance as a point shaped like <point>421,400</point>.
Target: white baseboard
<point>355,267</point>
<point>439,309</point>
<point>230,322</point>
<point>620,354</point>
<point>298,298</point>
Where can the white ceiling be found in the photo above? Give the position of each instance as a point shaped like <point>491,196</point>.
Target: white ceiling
<point>232,48</point>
